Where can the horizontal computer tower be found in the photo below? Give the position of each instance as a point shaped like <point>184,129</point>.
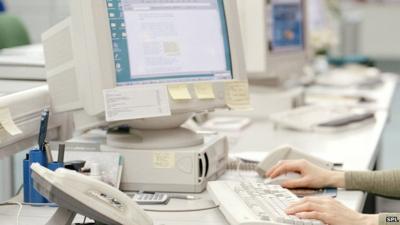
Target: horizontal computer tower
<point>173,170</point>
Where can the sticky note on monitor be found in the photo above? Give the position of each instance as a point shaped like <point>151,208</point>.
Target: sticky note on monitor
<point>204,91</point>
<point>7,122</point>
<point>179,92</point>
<point>237,95</point>
<point>127,103</point>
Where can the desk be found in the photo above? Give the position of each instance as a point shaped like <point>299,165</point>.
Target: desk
<point>357,149</point>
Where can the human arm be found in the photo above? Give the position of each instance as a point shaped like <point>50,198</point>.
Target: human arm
<point>312,175</point>
<point>383,183</point>
<point>330,211</point>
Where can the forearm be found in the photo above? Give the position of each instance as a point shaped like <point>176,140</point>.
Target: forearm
<point>383,183</point>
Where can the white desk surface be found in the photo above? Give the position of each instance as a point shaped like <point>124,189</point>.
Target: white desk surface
<point>356,149</point>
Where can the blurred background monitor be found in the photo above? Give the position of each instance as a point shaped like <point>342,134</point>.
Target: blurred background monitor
<point>275,35</point>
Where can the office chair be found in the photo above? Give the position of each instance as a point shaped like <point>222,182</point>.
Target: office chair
<point>13,32</point>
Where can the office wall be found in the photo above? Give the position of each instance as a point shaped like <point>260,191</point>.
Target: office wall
<point>38,15</point>
<point>379,31</point>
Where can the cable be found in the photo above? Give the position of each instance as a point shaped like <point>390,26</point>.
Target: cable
<point>19,210</point>
<point>29,204</point>
<point>41,204</point>
<point>238,170</point>
<point>19,189</point>
<point>182,210</point>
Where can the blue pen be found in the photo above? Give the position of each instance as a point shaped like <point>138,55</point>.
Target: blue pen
<point>44,119</point>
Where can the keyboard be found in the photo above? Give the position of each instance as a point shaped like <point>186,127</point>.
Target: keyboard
<point>315,118</point>
<point>250,202</point>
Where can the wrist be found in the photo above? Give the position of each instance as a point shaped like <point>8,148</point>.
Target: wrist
<point>336,179</point>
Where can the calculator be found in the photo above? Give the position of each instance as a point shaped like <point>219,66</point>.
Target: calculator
<point>143,198</point>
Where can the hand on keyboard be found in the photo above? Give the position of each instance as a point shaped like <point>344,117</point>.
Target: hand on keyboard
<point>329,211</point>
<point>250,203</point>
<point>312,175</point>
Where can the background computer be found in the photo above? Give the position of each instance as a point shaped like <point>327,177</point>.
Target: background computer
<point>145,49</point>
<point>275,40</point>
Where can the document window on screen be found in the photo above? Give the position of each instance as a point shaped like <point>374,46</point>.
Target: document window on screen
<point>286,25</point>
<point>169,41</point>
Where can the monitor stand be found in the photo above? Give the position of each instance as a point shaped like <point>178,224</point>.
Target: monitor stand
<point>155,133</point>
<point>154,139</point>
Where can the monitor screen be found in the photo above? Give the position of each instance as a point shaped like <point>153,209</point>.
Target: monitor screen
<point>169,41</point>
<point>286,24</point>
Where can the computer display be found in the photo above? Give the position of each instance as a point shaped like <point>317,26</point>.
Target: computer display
<point>169,41</point>
<point>148,66</point>
<point>286,26</point>
<point>107,44</point>
<point>275,40</point>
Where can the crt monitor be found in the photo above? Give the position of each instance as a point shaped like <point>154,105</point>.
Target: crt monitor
<point>107,44</point>
<point>275,39</point>
<point>111,43</point>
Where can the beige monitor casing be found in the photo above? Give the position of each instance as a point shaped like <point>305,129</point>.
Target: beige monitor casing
<point>264,66</point>
<point>80,63</point>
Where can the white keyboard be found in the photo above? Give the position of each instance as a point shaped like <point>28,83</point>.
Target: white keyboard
<point>250,203</point>
<point>313,118</point>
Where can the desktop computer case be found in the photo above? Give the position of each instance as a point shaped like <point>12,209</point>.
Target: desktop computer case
<point>184,170</point>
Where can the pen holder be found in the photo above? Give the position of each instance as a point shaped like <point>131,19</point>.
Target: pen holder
<point>26,178</point>
<point>35,156</point>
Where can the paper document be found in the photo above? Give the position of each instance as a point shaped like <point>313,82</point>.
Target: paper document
<point>164,160</point>
<point>179,92</point>
<point>7,122</point>
<point>127,103</point>
<point>204,91</point>
<point>237,95</point>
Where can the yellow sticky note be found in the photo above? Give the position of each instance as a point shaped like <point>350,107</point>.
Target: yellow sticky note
<point>164,160</point>
<point>7,122</point>
<point>237,95</point>
<point>204,91</point>
<point>179,92</point>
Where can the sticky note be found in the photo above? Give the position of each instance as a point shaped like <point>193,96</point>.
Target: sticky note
<point>164,160</point>
<point>237,95</point>
<point>7,122</point>
<point>204,91</point>
<point>127,103</point>
<point>179,92</point>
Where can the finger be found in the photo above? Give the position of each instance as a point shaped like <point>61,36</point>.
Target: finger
<point>273,168</point>
<point>313,216</point>
<point>296,183</point>
<point>305,207</point>
<point>286,167</point>
<point>316,200</point>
